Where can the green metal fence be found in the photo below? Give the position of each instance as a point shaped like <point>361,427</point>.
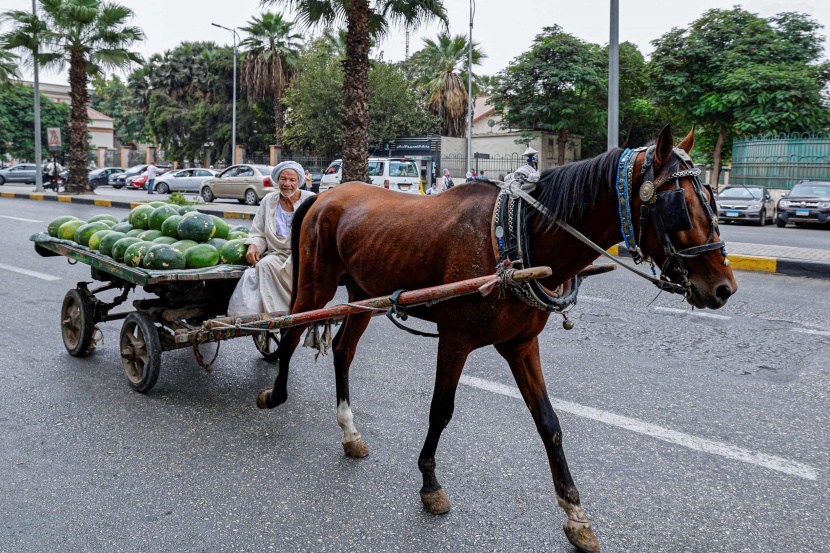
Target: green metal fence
<point>780,161</point>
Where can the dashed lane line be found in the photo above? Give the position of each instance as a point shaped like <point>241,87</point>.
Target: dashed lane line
<point>695,313</point>
<point>694,443</point>
<point>20,219</point>
<point>27,272</point>
<point>811,331</point>
<point>594,298</point>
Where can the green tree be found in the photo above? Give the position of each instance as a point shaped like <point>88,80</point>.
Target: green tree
<point>17,119</point>
<point>271,53</point>
<point>557,86</point>
<point>90,36</point>
<point>441,71</point>
<point>113,97</point>
<point>733,72</point>
<point>8,69</point>
<point>362,18</point>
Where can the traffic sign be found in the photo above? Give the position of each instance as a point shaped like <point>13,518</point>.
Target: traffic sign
<point>481,155</point>
<point>53,139</point>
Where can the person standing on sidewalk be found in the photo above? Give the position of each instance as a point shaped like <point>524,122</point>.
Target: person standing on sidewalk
<point>152,173</point>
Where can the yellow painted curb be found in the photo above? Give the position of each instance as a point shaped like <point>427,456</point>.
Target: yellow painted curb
<point>65,199</point>
<point>234,215</point>
<point>35,196</point>
<point>6,194</point>
<point>614,250</point>
<point>753,263</point>
<point>134,205</point>
<point>102,203</point>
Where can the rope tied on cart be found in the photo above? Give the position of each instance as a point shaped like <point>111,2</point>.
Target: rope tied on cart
<point>197,340</point>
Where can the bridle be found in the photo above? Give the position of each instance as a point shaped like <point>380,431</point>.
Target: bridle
<point>667,210</point>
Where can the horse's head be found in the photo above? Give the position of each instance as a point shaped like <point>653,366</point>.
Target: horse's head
<point>674,219</point>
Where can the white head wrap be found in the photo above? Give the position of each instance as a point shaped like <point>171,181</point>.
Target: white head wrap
<point>293,165</point>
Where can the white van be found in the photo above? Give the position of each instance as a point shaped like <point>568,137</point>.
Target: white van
<point>398,174</point>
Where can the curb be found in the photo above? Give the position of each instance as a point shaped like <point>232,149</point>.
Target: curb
<point>777,265</point>
<point>113,203</point>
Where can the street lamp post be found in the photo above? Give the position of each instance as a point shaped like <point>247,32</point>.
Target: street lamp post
<point>470,91</point>
<point>614,77</point>
<point>233,132</point>
<point>38,153</point>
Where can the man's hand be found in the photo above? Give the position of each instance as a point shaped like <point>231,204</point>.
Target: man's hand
<point>253,254</point>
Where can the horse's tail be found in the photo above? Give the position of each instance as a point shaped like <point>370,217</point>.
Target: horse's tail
<point>299,215</point>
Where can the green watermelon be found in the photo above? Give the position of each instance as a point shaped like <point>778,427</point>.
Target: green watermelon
<point>103,217</point>
<point>121,246</point>
<point>222,228</point>
<point>150,235</point>
<point>233,253</point>
<point>134,255</point>
<point>187,209</point>
<point>67,230</point>
<point>95,239</point>
<point>53,227</point>
<point>109,223</point>
<point>239,228</point>
<point>122,227</point>
<point>164,256</point>
<point>135,232</point>
<point>108,241</point>
<point>157,203</point>
<point>85,232</point>
<point>170,226</point>
<point>165,240</point>
<point>125,218</point>
<point>200,256</point>
<point>217,242</point>
<point>184,245</point>
<point>237,235</point>
<point>159,214</point>
<point>140,216</point>
<point>197,227</point>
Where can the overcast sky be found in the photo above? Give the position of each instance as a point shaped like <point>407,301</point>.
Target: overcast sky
<point>504,29</point>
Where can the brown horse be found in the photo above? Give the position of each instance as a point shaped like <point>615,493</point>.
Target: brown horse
<point>354,235</point>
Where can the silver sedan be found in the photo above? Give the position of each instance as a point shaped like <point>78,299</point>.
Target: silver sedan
<point>183,180</point>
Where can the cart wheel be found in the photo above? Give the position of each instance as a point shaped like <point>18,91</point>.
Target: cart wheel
<point>77,323</point>
<point>267,344</point>
<point>140,351</point>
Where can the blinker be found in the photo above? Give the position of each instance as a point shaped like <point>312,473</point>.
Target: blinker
<point>673,210</point>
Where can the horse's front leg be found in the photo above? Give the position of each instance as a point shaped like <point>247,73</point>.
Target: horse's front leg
<point>451,357</point>
<point>345,345</point>
<point>527,370</point>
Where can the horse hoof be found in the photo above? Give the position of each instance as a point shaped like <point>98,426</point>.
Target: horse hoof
<point>356,449</point>
<point>581,536</point>
<point>262,398</point>
<point>437,502</point>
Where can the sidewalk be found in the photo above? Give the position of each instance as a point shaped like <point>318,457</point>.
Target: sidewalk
<point>785,260</point>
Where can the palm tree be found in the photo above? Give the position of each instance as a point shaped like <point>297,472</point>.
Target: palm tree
<point>441,71</point>
<point>362,18</point>
<point>272,52</point>
<point>91,36</point>
<point>8,69</point>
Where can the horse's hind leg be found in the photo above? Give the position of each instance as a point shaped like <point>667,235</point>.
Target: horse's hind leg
<point>345,345</point>
<point>451,358</point>
<point>527,370</point>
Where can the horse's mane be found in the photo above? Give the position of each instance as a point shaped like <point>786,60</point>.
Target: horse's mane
<point>570,191</point>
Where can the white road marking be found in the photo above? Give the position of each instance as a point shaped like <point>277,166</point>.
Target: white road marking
<point>811,331</point>
<point>665,434</point>
<point>592,298</point>
<point>695,313</point>
<point>20,219</point>
<point>28,272</point>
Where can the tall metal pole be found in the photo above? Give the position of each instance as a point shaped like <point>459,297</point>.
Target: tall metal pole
<point>470,94</point>
<point>614,77</point>
<point>38,155</point>
<point>233,129</point>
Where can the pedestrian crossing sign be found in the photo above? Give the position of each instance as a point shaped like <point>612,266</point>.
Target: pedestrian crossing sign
<point>53,138</point>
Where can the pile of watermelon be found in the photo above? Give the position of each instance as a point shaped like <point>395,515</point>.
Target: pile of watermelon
<point>158,236</point>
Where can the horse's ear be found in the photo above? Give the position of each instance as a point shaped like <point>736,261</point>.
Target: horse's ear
<point>689,142</point>
<point>665,143</point>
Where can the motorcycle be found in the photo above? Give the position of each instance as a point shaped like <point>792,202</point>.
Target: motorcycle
<point>54,183</point>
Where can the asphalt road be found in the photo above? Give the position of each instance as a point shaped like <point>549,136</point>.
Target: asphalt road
<point>684,430</point>
<point>806,237</point>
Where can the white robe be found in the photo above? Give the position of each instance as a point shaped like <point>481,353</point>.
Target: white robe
<point>274,268</point>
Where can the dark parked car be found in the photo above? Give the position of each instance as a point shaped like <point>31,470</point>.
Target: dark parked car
<point>745,203</point>
<point>100,177</point>
<point>118,180</point>
<point>807,202</point>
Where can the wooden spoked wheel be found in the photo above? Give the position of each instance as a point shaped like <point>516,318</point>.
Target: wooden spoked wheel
<point>267,343</point>
<point>140,351</point>
<point>77,323</point>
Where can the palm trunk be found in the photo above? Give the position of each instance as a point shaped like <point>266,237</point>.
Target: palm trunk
<point>356,93</point>
<point>78,181</point>
<point>562,142</point>
<point>716,158</point>
<point>278,120</point>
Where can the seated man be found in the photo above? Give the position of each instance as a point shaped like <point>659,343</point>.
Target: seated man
<point>269,244</point>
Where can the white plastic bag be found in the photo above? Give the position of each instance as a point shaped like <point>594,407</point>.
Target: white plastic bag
<point>246,299</point>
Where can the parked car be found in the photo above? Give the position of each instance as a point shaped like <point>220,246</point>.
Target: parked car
<point>119,180</point>
<point>22,172</point>
<point>245,183</point>
<point>807,202</point>
<point>398,174</point>
<point>139,182</point>
<point>100,177</point>
<point>745,204</point>
<point>183,180</point>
